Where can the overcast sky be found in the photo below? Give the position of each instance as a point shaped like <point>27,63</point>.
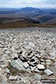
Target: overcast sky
<point>28,3</point>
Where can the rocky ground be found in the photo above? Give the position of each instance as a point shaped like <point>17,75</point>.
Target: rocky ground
<point>27,57</point>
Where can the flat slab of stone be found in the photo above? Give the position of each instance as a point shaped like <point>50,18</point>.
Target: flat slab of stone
<point>17,64</point>
<point>40,67</point>
<point>13,78</point>
<point>52,54</point>
<point>48,72</point>
<point>53,69</point>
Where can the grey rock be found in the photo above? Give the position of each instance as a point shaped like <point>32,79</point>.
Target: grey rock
<point>43,63</point>
<point>4,65</point>
<point>52,54</point>
<point>0,69</point>
<point>13,78</point>
<point>22,58</point>
<point>14,55</point>
<point>17,64</point>
<point>33,68</point>
<point>37,77</point>
<point>25,64</point>
<point>7,71</point>
<point>48,72</point>
<point>55,64</point>
<point>36,60</point>
<point>48,62</point>
<point>1,51</point>
<point>53,69</point>
<point>27,47</point>
<point>38,56</point>
<point>37,71</point>
<point>31,44</point>
<point>31,63</point>
<point>7,52</point>
<point>1,78</point>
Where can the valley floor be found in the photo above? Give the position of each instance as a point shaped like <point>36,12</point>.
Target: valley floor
<point>27,55</point>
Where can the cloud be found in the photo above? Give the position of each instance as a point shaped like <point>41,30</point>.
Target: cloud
<point>50,2</point>
<point>26,3</point>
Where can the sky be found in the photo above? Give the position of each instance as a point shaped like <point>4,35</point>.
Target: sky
<point>28,3</point>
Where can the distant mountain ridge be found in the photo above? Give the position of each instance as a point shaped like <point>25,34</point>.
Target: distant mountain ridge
<point>38,14</point>
<point>29,10</point>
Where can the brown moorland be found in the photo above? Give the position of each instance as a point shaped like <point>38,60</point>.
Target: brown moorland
<point>24,23</point>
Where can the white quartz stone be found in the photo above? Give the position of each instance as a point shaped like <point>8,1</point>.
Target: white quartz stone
<point>40,67</point>
<point>13,78</point>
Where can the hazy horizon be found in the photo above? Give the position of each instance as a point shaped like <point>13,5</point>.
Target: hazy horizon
<point>28,3</point>
<point>25,7</point>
